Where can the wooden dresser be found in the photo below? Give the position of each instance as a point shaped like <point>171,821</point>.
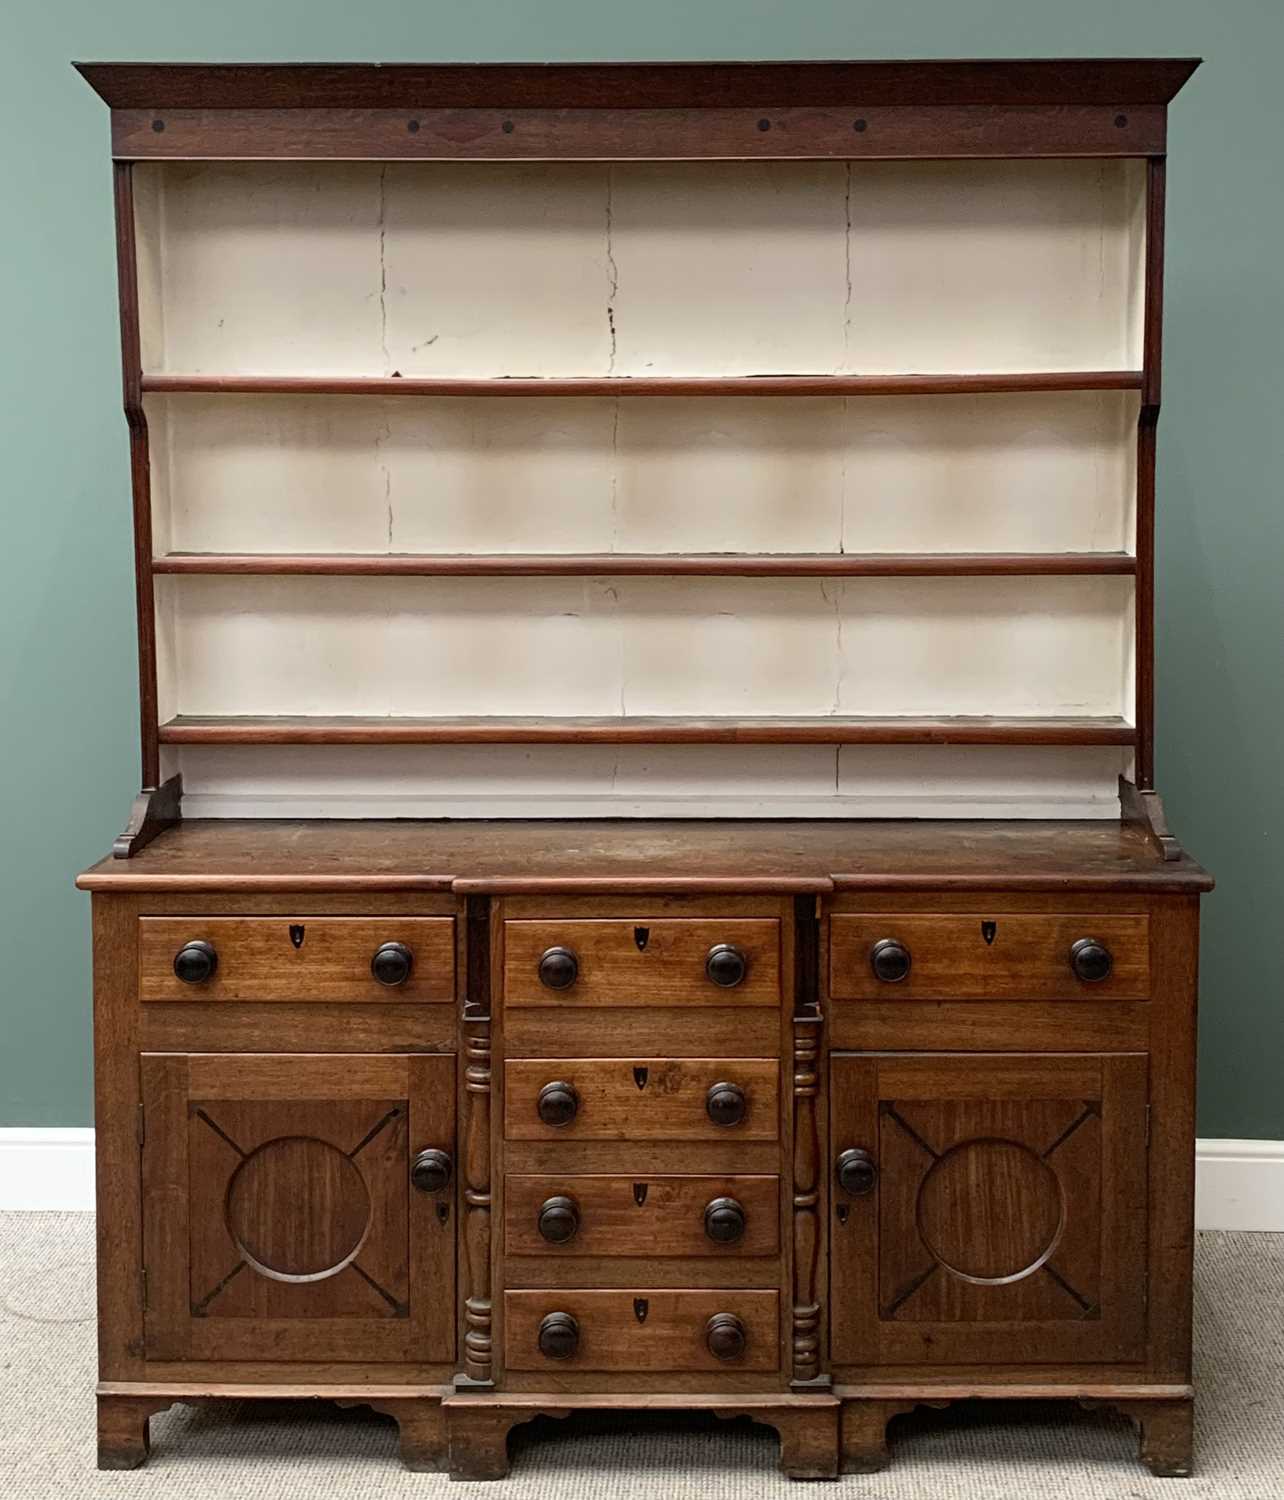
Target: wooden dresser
<point>555,961</point>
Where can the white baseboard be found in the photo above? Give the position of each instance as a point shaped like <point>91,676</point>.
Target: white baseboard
<point>1238,1184</point>
<point>47,1169</point>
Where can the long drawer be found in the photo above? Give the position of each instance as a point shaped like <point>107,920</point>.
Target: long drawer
<point>297,958</point>
<point>989,956</point>
<point>572,1214</point>
<point>642,1099</point>
<point>641,1330</point>
<point>664,962</point>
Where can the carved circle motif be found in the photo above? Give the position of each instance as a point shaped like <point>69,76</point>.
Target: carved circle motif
<point>990,1211</point>
<point>298,1209</point>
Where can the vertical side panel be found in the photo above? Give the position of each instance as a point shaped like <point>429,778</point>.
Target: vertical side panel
<point>1175,940</point>
<point>166,1206</point>
<point>139,468</point>
<point>1147,421</point>
<point>117,1122</point>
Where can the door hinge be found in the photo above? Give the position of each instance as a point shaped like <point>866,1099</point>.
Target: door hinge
<point>142,1126</point>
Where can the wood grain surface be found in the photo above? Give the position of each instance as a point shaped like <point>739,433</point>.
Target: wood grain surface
<point>259,958</point>
<point>660,962</point>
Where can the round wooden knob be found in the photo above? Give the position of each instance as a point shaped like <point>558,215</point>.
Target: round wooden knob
<point>857,1173</point>
<point>558,1103</point>
<point>724,1221</point>
<point>194,963</point>
<point>889,960</point>
<point>392,963</point>
<point>726,965</point>
<point>725,1104</point>
<point>559,1336</point>
<point>724,1334</point>
<point>430,1171</point>
<point>1091,960</point>
<point>558,968</point>
<point>559,1219</point>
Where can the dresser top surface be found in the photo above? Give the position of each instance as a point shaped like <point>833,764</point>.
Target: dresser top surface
<point>626,855</point>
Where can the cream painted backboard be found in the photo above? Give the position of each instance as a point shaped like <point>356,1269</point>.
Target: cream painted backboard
<point>478,269</point>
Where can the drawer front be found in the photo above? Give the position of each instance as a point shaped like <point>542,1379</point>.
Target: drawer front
<point>648,963</point>
<point>642,1098</point>
<point>641,1330</point>
<point>298,958</point>
<point>988,956</point>
<point>569,1215</point>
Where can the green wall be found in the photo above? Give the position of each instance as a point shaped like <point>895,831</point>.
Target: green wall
<point>68,762</point>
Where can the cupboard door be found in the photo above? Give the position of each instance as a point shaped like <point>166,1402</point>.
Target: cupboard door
<point>998,1214</point>
<point>281,1215</point>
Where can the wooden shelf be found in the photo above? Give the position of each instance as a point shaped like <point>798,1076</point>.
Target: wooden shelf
<point>643,385</point>
<point>834,730</point>
<point>658,565</point>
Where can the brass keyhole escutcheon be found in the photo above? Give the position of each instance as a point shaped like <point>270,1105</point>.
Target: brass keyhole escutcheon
<point>641,936</point>
<point>989,930</point>
<point>640,1076</point>
<point>296,934</point>
<point>639,1193</point>
<point>640,1308</point>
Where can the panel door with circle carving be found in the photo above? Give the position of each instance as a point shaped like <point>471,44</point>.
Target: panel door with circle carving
<point>988,1209</point>
<point>299,1208</point>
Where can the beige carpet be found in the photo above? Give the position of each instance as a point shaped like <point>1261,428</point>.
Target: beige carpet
<point>287,1451</point>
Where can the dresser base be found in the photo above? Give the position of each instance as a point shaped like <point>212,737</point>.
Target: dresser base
<point>1164,1415</point>
<point>821,1434</point>
<point>478,1424</point>
<point>125,1408</point>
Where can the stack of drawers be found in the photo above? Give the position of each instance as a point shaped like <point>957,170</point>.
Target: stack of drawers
<point>640,1164</point>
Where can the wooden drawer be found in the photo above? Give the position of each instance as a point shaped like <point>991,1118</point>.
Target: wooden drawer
<point>648,963</point>
<point>642,1098</point>
<point>298,958</point>
<point>642,1330</point>
<point>623,1216</point>
<point>988,956</point>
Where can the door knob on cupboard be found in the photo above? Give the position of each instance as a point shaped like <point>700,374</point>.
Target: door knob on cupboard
<point>559,1335</point>
<point>857,1172</point>
<point>558,1103</point>
<point>392,963</point>
<point>1091,960</point>
<point>559,1219</point>
<point>430,1171</point>
<point>726,965</point>
<point>195,962</point>
<point>724,1336</point>
<point>559,968</point>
